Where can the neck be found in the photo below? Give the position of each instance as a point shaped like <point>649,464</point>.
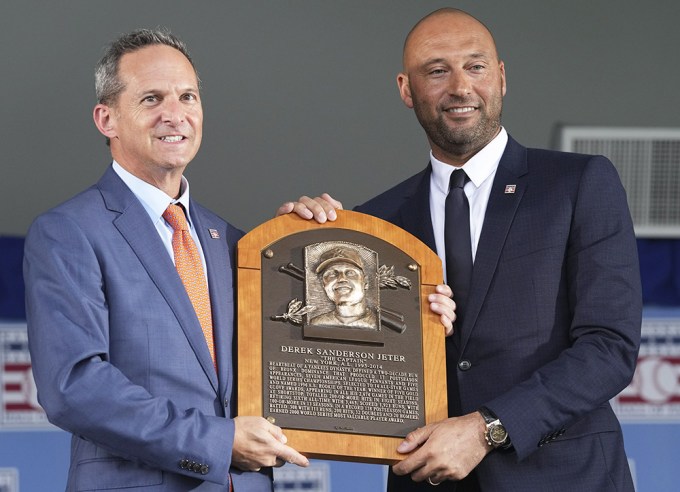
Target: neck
<point>349,313</point>
<point>457,155</point>
<point>168,181</point>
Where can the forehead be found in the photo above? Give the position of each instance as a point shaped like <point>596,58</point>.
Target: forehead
<point>341,265</point>
<point>156,64</point>
<point>448,35</point>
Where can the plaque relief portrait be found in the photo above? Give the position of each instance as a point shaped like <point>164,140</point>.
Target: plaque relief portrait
<point>342,285</point>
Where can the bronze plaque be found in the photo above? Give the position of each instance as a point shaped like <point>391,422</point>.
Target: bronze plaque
<point>345,343</point>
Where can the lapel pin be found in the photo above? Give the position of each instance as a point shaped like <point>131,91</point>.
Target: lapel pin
<point>215,234</point>
<point>510,189</point>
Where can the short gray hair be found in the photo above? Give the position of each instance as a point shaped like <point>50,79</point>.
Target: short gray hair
<point>106,80</point>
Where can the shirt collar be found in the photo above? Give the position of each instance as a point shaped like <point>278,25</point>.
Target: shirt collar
<point>154,200</point>
<point>478,168</point>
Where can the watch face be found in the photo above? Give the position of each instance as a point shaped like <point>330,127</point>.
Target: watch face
<point>497,434</point>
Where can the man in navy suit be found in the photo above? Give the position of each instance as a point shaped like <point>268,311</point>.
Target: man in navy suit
<point>119,356</point>
<point>550,327</point>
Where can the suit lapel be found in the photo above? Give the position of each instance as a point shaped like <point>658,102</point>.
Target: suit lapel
<point>414,213</point>
<point>213,237</point>
<point>500,211</point>
<point>135,226</point>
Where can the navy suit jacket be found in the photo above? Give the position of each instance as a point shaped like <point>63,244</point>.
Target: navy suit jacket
<point>552,327</point>
<point>118,353</point>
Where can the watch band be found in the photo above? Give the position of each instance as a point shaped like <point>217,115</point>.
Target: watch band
<point>494,427</point>
<point>487,415</point>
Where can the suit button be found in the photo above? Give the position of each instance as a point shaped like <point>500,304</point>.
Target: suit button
<point>464,365</point>
<point>204,469</point>
<point>183,464</point>
<point>196,468</point>
<point>226,402</point>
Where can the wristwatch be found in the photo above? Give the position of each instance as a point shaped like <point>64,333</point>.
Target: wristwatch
<point>495,434</point>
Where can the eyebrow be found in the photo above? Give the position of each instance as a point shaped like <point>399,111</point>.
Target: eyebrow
<point>432,61</point>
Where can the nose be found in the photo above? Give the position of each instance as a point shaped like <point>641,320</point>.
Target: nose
<point>459,83</point>
<point>173,112</point>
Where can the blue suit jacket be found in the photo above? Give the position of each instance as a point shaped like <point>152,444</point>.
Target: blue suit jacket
<point>118,354</point>
<point>552,327</point>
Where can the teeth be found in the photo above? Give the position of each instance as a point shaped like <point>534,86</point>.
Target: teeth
<point>175,138</point>
<point>462,110</point>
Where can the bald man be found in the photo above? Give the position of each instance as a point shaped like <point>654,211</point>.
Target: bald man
<point>548,321</point>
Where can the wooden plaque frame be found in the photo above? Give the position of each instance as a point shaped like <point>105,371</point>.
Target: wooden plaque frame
<point>324,444</point>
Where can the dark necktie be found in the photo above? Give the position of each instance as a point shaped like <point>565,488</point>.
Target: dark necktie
<point>457,243</point>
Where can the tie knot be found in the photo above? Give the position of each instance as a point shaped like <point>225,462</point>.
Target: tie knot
<point>174,215</point>
<point>458,179</point>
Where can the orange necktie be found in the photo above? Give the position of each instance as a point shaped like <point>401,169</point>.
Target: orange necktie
<point>190,269</point>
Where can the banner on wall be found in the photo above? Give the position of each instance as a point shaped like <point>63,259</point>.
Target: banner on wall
<point>19,407</point>
<point>315,478</point>
<point>654,393</point>
<point>652,396</point>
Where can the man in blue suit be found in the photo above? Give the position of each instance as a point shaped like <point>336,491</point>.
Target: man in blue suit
<point>119,355</point>
<point>550,327</point>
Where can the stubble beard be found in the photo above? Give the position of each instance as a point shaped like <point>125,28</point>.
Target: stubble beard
<point>466,141</point>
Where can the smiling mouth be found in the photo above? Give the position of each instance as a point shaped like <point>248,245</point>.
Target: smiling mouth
<point>172,138</point>
<point>466,109</point>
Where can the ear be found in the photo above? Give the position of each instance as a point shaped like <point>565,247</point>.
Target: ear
<point>105,120</point>
<point>501,66</point>
<point>405,89</point>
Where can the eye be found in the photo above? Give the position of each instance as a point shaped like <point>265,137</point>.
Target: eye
<point>189,96</point>
<point>150,99</point>
<point>437,71</point>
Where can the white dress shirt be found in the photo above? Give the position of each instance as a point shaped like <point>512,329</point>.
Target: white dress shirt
<point>481,169</point>
<point>155,201</point>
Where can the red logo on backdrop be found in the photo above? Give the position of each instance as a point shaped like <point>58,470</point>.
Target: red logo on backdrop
<point>654,392</point>
<point>18,400</point>
<point>19,393</point>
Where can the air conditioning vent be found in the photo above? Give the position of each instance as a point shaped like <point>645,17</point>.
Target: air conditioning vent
<point>648,161</point>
